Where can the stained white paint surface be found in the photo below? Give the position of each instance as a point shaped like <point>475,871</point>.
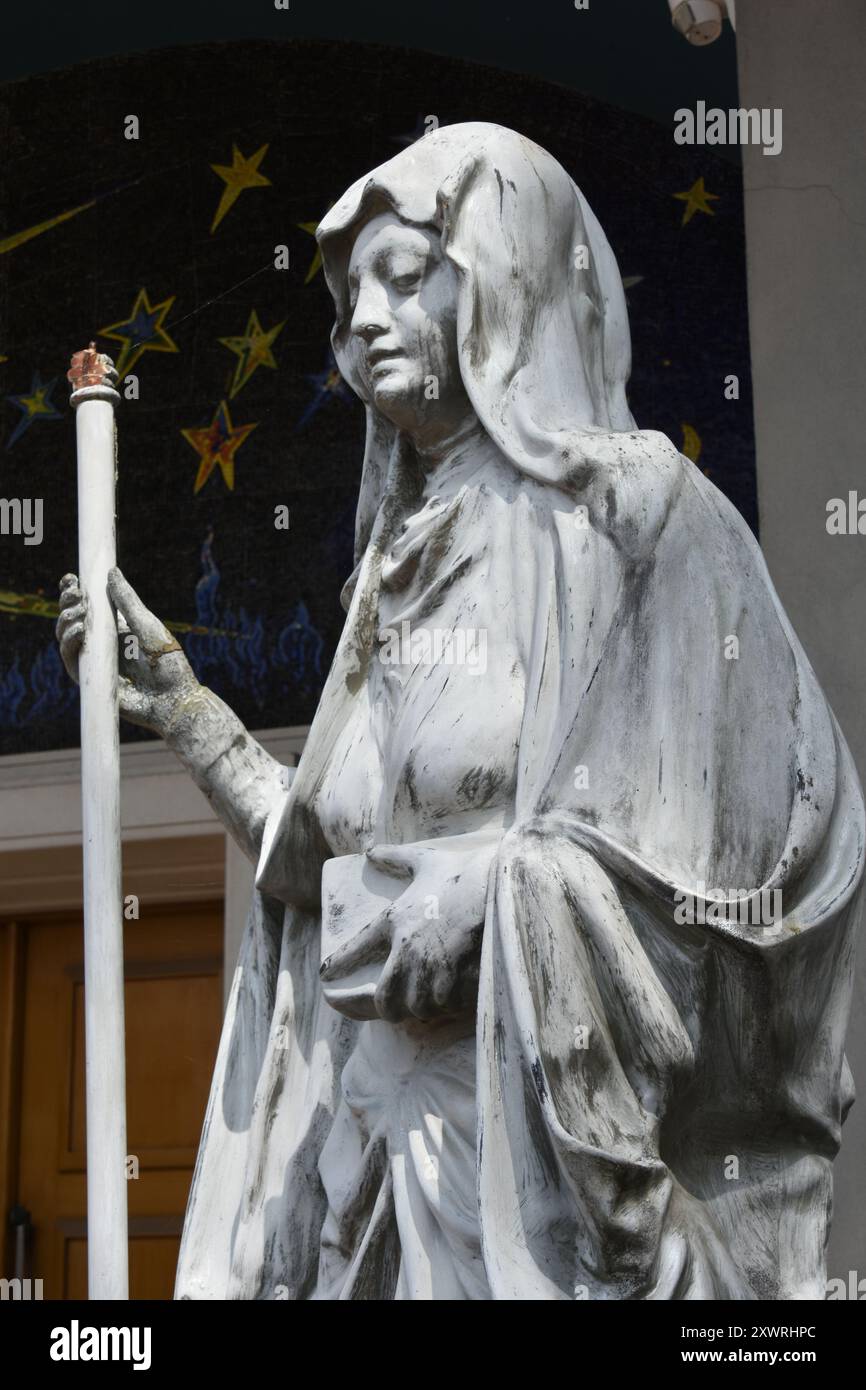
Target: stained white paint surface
<point>107,1250</point>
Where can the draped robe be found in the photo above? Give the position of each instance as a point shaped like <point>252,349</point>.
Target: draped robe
<point>638,1107</point>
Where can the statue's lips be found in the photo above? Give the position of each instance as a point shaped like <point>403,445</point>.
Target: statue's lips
<point>379,360</point>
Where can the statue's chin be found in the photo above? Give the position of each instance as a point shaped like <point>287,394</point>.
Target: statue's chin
<point>398,400</point>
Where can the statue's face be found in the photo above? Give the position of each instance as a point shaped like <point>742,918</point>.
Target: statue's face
<point>403,296</point>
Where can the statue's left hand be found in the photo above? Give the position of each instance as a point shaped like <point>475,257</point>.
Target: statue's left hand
<point>435,928</point>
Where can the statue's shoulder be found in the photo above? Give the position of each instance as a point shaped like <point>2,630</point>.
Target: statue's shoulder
<point>635,478</point>
<point>626,483</point>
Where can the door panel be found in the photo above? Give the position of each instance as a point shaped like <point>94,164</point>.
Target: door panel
<point>173,967</point>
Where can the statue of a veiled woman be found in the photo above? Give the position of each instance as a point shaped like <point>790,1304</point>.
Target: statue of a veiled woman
<point>510,1018</point>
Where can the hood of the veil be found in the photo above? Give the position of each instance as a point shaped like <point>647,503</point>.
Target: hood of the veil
<point>542,324</point>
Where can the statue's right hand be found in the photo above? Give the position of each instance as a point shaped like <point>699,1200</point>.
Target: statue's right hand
<point>154,674</point>
<point>69,628</point>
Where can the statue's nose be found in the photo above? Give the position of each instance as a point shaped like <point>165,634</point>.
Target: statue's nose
<point>368,331</point>
<point>370,315</point>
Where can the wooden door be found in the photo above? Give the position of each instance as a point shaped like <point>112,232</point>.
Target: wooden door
<point>173,967</point>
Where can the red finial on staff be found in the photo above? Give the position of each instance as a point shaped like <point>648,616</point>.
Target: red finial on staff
<point>90,368</point>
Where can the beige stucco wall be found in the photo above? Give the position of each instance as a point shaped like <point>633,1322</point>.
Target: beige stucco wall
<point>806,246</point>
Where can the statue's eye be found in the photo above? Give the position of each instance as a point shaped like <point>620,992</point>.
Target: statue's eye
<point>406,283</point>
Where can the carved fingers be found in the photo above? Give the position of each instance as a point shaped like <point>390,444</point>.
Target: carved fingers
<point>71,624</point>
<point>152,634</point>
<point>399,861</point>
<point>432,967</point>
<point>368,946</point>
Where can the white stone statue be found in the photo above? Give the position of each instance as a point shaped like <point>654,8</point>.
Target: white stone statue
<point>500,1027</point>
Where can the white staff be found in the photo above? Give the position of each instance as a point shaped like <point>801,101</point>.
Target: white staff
<point>93,395</point>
